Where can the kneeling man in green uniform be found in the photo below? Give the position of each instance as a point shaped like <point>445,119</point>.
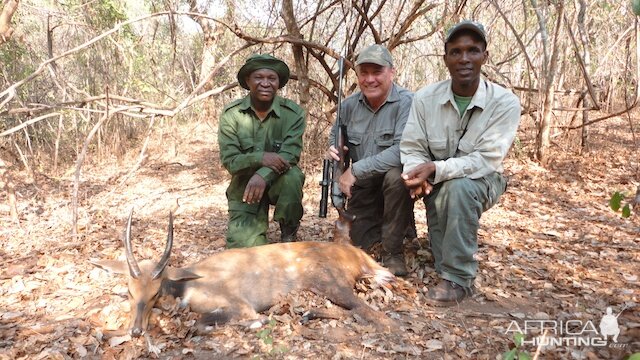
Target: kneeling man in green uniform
<point>260,140</point>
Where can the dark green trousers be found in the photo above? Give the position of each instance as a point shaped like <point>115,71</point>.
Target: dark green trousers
<point>383,209</point>
<point>454,208</point>
<point>248,224</point>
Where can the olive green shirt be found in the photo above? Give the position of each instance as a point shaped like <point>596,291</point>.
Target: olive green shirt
<point>243,139</point>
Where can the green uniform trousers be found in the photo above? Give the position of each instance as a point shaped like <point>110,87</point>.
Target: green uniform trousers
<point>248,224</point>
<point>454,208</point>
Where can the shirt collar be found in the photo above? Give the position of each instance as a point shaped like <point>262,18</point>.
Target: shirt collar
<point>245,105</point>
<point>479,99</point>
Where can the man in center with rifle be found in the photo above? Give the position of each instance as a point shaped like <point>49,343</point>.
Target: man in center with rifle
<point>374,119</point>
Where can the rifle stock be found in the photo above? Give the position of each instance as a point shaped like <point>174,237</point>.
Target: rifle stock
<point>331,172</point>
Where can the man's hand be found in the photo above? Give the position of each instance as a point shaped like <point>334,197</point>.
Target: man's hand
<point>332,153</point>
<point>254,190</point>
<point>416,179</point>
<point>275,162</point>
<point>346,182</point>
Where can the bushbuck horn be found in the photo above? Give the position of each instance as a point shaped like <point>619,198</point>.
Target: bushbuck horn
<point>134,269</point>
<point>164,260</point>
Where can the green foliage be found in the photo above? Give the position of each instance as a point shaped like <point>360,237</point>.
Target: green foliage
<point>101,14</point>
<point>635,5</point>
<point>14,57</point>
<point>635,356</point>
<point>518,148</point>
<point>266,335</point>
<point>615,203</point>
<point>108,13</point>
<point>516,352</point>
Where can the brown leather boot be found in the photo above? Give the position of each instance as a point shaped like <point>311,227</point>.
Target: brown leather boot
<point>288,233</point>
<point>448,293</point>
<point>395,263</point>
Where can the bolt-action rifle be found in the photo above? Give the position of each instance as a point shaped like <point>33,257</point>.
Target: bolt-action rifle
<point>331,172</point>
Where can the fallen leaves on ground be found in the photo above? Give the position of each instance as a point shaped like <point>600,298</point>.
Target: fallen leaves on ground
<point>550,250</point>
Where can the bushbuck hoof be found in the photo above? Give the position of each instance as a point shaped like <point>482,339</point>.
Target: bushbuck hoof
<point>254,323</point>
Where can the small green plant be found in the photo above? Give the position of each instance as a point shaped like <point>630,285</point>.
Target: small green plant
<point>518,148</point>
<point>266,335</point>
<point>615,203</point>
<point>516,352</point>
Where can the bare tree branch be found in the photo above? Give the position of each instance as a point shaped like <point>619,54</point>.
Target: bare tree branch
<point>585,74</point>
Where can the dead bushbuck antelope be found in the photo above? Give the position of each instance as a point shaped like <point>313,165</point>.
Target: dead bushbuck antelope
<point>237,284</point>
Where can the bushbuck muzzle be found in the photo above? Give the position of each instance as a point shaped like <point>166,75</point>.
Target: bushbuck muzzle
<point>237,284</point>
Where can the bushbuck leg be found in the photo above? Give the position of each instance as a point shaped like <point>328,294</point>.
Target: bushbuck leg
<point>341,294</point>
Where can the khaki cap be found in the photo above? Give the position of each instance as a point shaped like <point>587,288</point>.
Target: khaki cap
<point>375,54</point>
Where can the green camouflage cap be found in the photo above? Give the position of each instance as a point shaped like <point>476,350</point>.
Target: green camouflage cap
<point>375,54</point>
<point>263,61</point>
<point>476,27</point>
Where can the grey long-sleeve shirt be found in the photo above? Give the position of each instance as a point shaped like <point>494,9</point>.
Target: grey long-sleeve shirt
<point>472,144</point>
<point>374,137</point>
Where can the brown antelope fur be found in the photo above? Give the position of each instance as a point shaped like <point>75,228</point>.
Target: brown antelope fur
<point>342,231</point>
<point>237,284</point>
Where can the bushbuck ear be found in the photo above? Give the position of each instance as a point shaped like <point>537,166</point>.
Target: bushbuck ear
<point>180,274</point>
<point>115,266</point>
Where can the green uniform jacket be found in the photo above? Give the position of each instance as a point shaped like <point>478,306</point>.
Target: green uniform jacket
<point>243,139</point>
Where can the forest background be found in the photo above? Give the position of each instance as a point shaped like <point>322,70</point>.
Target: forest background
<point>102,101</point>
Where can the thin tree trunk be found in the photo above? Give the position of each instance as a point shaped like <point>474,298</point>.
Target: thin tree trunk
<point>211,33</point>
<point>80,161</point>
<point>584,38</point>
<point>543,140</point>
<point>9,8</point>
<point>298,54</point>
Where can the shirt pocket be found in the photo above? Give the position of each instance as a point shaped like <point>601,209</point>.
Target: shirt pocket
<point>246,144</point>
<point>465,147</point>
<point>438,148</point>
<point>384,138</point>
<point>355,139</point>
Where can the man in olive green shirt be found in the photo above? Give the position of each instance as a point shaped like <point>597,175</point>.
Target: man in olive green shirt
<point>260,140</point>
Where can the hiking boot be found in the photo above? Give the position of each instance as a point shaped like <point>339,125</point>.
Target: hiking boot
<point>448,293</point>
<point>288,233</point>
<point>395,263</point>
